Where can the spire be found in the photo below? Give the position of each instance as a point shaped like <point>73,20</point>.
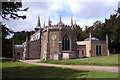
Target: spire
<point>60,19</point>
<point>44,25</point>
<point>38,23</point>
<point>71,21</point>
<point>49,22</point>
<point>75,22</point>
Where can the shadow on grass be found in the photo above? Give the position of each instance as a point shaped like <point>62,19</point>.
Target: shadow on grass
<point>5,60</point>
<point>23,71</point>
<point>41,72</point>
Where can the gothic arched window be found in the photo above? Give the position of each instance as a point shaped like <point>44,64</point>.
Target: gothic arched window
<point>65,43</point>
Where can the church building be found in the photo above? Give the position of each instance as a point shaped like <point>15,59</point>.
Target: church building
<point>57,42</point>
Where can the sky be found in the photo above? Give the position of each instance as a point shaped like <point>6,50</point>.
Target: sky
<point>85,12</point>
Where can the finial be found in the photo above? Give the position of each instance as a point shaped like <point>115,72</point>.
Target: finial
<point>38,23</point>
<point>71,21</point>
<point>44,25</point>
<point>49,21</point>
<point>60,19</point>
<point>75,22</point>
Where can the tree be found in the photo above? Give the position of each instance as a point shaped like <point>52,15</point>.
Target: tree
<point>9,10</point>
<point>110,27</point>
<point>80,34</point>
<point>20,36</point>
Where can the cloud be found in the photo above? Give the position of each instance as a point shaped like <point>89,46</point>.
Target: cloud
<point>85,12</point>
<point>90,10</point>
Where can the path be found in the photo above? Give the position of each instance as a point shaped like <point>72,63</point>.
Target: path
<point>95,68</point>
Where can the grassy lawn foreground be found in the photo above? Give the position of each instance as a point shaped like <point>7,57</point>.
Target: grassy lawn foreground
<point>23,70</point>
<point>111,60</point>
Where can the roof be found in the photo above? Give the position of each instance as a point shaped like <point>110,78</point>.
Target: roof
<point>93,39</point>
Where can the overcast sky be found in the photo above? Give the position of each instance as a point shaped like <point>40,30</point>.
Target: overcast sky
<point>85,12</point>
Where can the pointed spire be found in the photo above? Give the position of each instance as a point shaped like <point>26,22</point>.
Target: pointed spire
<point>49,22</point>
<point>75,22</point>
<point>44,25</point>
<point>71,21</point>
<point>60,19</point>
<point>38,23</point>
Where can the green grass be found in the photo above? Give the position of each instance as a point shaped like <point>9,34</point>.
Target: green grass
<point>111,60</point>
<point>23,70</point>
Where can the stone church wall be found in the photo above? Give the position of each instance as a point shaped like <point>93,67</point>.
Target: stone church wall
<point>44,40</point>
<point>34,49</point>
<point>72,36</point>
<point>103,48</point>
<point>54,43</point>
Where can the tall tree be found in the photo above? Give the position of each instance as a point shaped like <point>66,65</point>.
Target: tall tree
<point>9,10</point>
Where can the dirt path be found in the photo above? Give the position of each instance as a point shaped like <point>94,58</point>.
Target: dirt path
<point>95,68</point>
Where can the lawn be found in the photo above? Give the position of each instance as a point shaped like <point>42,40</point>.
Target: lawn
<point>111,60</point>
<point>23,70</point>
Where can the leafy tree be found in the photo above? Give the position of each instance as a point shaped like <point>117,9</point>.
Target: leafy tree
<point>110,27</point>
<point>80,34</point>
<point>20,36</point>
<point>9,10</point>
